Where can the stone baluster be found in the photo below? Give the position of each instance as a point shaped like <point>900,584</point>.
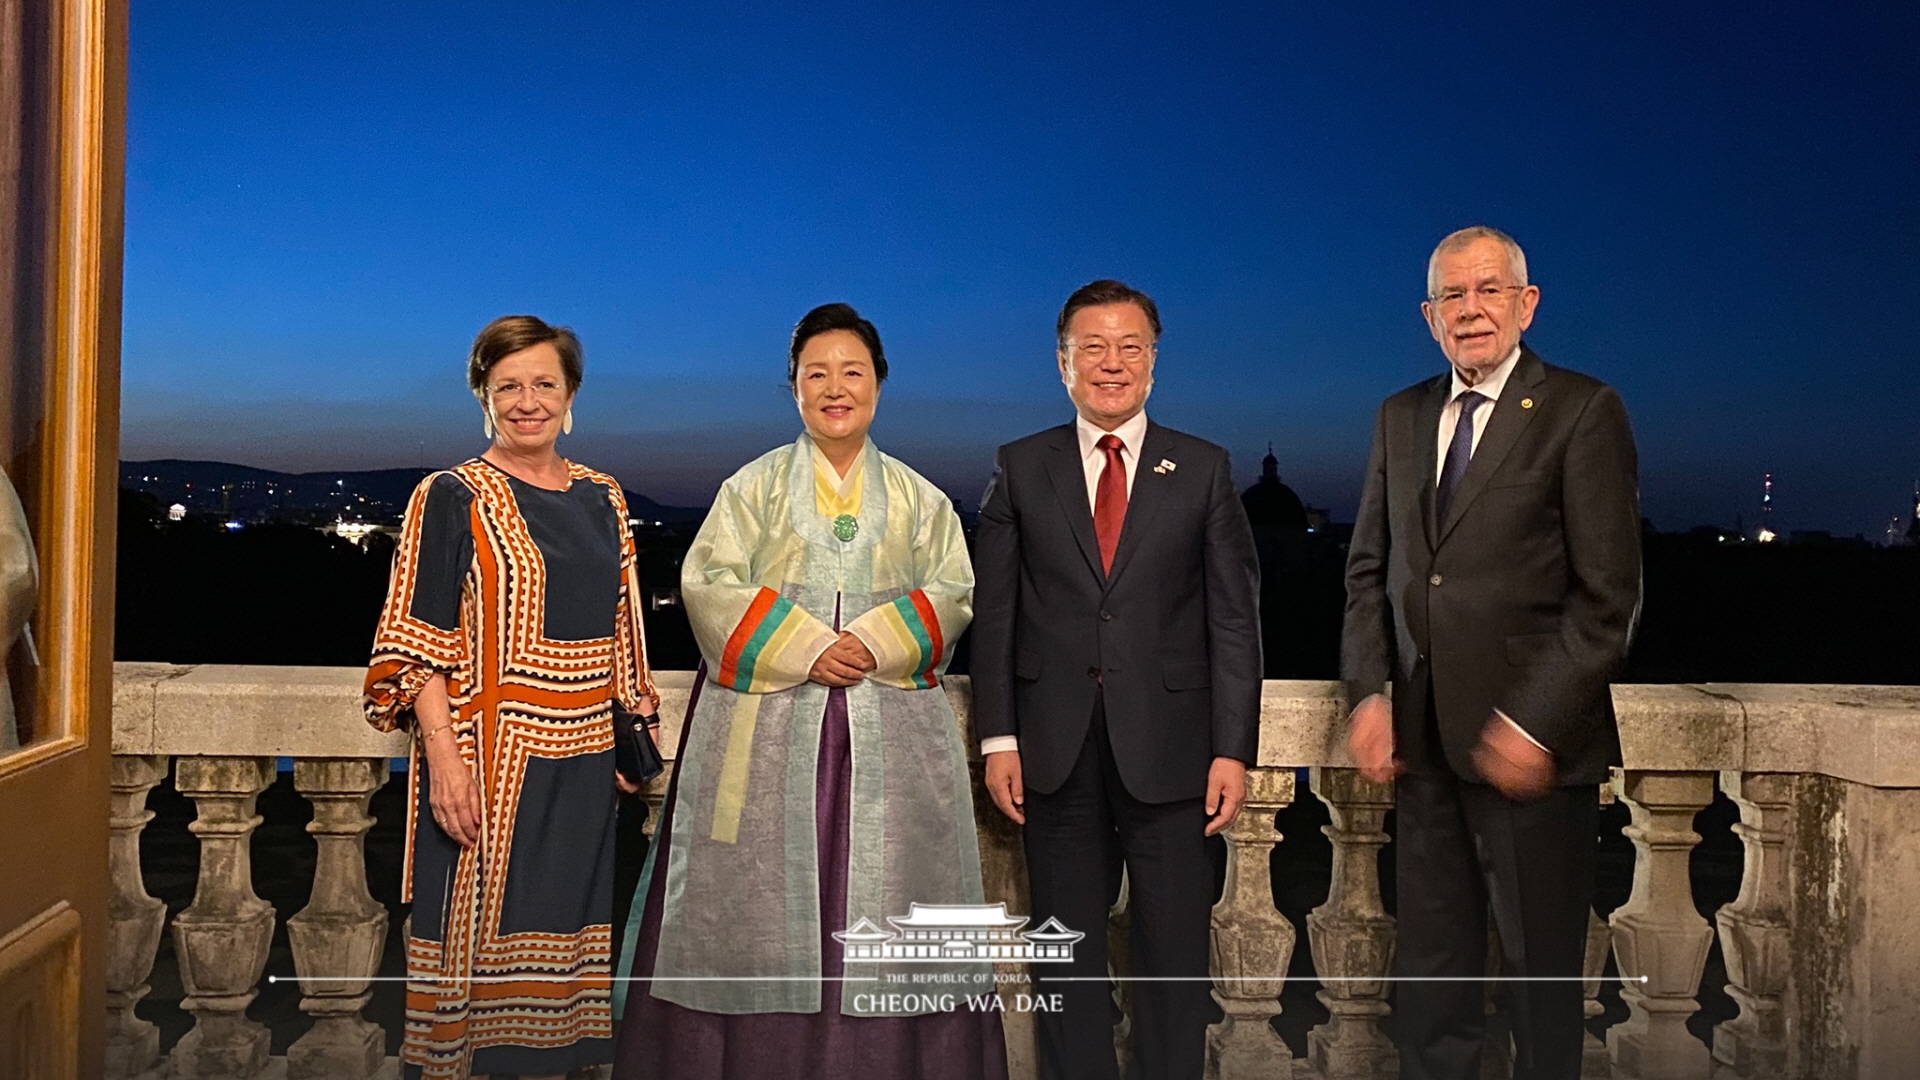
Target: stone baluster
<point>1593,1058</point>
<point>1754,935</point>
<point>654,792</point>
<point>1660,939</point>
<point>222,937</point>
<point>1252,941</point>
<point>337,939</point>
<point>1351,934</point>
<point>134,919</point>
<point>1593,1061</point>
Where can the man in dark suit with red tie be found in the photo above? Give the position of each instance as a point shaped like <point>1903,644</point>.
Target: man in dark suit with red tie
<point>1493,582</point>
<point>1116,683</point>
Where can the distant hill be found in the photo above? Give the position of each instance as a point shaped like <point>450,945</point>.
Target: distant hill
<point>245,492</point>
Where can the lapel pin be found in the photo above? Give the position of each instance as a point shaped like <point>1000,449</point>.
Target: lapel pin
<point>1526,403</point>
<point>1165,467</point>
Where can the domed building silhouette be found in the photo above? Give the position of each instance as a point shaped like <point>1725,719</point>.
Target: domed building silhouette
<point>1302,585</point>
<point>1273,507</point>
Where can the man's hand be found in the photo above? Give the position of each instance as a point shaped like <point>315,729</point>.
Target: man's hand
<point>845,662</point>
<point>1370,739</point>
<point>1511,762</point>
<point>1226,790</point>
<point>1003,784</point>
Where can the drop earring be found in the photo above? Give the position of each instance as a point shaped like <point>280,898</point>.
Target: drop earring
<point>486,424</point>
<point>566,422</point>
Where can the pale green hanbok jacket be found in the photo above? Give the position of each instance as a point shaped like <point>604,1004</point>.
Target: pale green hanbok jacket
<point>788,543</point>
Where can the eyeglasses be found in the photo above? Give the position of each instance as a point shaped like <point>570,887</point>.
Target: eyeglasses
<point>544,389</point>
<point>1448,299</point>
<point>1129,352</point>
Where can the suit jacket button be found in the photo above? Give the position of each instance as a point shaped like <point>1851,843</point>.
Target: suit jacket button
<point>1106,616</point>
<point>1093,673</point>
<point>1434,581</point>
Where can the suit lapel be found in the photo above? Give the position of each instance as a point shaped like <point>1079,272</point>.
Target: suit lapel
<point>1143,502</point>
<point>1426,451</point>
<point>1069,478</point>
<point>1504,428</point>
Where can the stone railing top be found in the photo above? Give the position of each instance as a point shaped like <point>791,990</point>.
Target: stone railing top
<point>1866,734</point>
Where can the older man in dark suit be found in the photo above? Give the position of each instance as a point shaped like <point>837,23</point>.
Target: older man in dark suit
<point>1494,583</point>
<point>1116,676</point>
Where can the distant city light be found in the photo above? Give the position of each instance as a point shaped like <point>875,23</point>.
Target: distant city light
<point>176,512</point>
<point>234,526</point>
<point>1766,536</point>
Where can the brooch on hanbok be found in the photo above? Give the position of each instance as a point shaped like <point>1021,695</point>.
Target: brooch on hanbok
<point>845,527</point>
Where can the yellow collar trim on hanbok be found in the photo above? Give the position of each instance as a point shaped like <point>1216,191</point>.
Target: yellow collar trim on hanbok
<point>833,494</point>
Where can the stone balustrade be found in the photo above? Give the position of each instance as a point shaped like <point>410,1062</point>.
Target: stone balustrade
<point>1822,945</point>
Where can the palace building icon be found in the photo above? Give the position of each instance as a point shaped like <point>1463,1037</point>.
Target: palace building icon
<point>934,932</point>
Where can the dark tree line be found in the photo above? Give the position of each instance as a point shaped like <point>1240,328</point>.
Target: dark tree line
<point>192,591</point>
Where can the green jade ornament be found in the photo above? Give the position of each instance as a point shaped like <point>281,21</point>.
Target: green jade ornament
<point>845,527</point>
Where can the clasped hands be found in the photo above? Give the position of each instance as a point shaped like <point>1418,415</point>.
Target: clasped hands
<point>845,662</point>
<point>1505,758</point>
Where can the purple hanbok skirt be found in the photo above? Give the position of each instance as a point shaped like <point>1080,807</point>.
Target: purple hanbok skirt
<point>659,1040</point>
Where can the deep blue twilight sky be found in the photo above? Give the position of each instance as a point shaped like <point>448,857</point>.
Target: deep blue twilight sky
<point>1721,204</point>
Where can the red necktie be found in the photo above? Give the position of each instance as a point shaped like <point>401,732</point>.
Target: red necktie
<point>1110,501</point>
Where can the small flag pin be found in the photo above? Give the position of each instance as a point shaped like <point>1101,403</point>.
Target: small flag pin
<point>1164,467</point>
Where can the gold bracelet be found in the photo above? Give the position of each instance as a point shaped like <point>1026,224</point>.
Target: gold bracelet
<point>427,736</point>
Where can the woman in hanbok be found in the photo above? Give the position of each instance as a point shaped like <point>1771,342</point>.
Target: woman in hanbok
<point>511,636</point>
<point>820,781</point>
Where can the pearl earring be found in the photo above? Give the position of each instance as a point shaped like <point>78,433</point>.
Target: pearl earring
<point>566,422</point>
<point>486,424</point>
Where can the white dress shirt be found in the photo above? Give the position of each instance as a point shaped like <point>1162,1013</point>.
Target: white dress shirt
<point>1488,388</point>
<point>1093,461</point>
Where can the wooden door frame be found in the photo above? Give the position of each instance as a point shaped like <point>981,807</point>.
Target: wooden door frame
<point>54,792</point>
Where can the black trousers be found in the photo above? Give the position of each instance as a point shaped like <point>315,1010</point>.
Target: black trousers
<point>1076,840</point>
<point>1460,850</point>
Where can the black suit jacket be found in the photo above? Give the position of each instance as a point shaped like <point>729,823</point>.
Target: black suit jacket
<point>1525,598</point>
<point>1172,635</point>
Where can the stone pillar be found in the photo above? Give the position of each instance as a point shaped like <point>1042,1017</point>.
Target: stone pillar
<point>1660,939</point>
<point>1252,941</point>
<point>1754,932</point>
<point>222,937</point>
<point>1351,934</point>
<point>337,939</point>
<point>134,919</point>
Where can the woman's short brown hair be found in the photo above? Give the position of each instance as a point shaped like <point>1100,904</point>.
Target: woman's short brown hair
<point>509,334</point>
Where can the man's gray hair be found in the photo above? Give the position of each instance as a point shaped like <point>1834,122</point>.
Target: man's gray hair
<point>1516,259</point>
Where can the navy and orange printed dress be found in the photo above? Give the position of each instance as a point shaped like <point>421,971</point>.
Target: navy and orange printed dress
<point>527,599</point>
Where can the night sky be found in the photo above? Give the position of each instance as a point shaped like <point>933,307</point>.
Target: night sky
<point>1720,203</point>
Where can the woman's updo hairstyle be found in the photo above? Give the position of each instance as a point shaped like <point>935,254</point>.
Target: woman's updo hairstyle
<point>825,319</point>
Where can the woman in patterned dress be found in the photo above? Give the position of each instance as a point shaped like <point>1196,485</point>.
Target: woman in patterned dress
<point>820,785</point>
<point>511,634</point>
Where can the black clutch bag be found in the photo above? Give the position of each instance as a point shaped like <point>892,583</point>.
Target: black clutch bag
<point>634,752</point>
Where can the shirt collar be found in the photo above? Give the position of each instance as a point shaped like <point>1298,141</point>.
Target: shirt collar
<point>1132,434</point>
<point>1488,387</point>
